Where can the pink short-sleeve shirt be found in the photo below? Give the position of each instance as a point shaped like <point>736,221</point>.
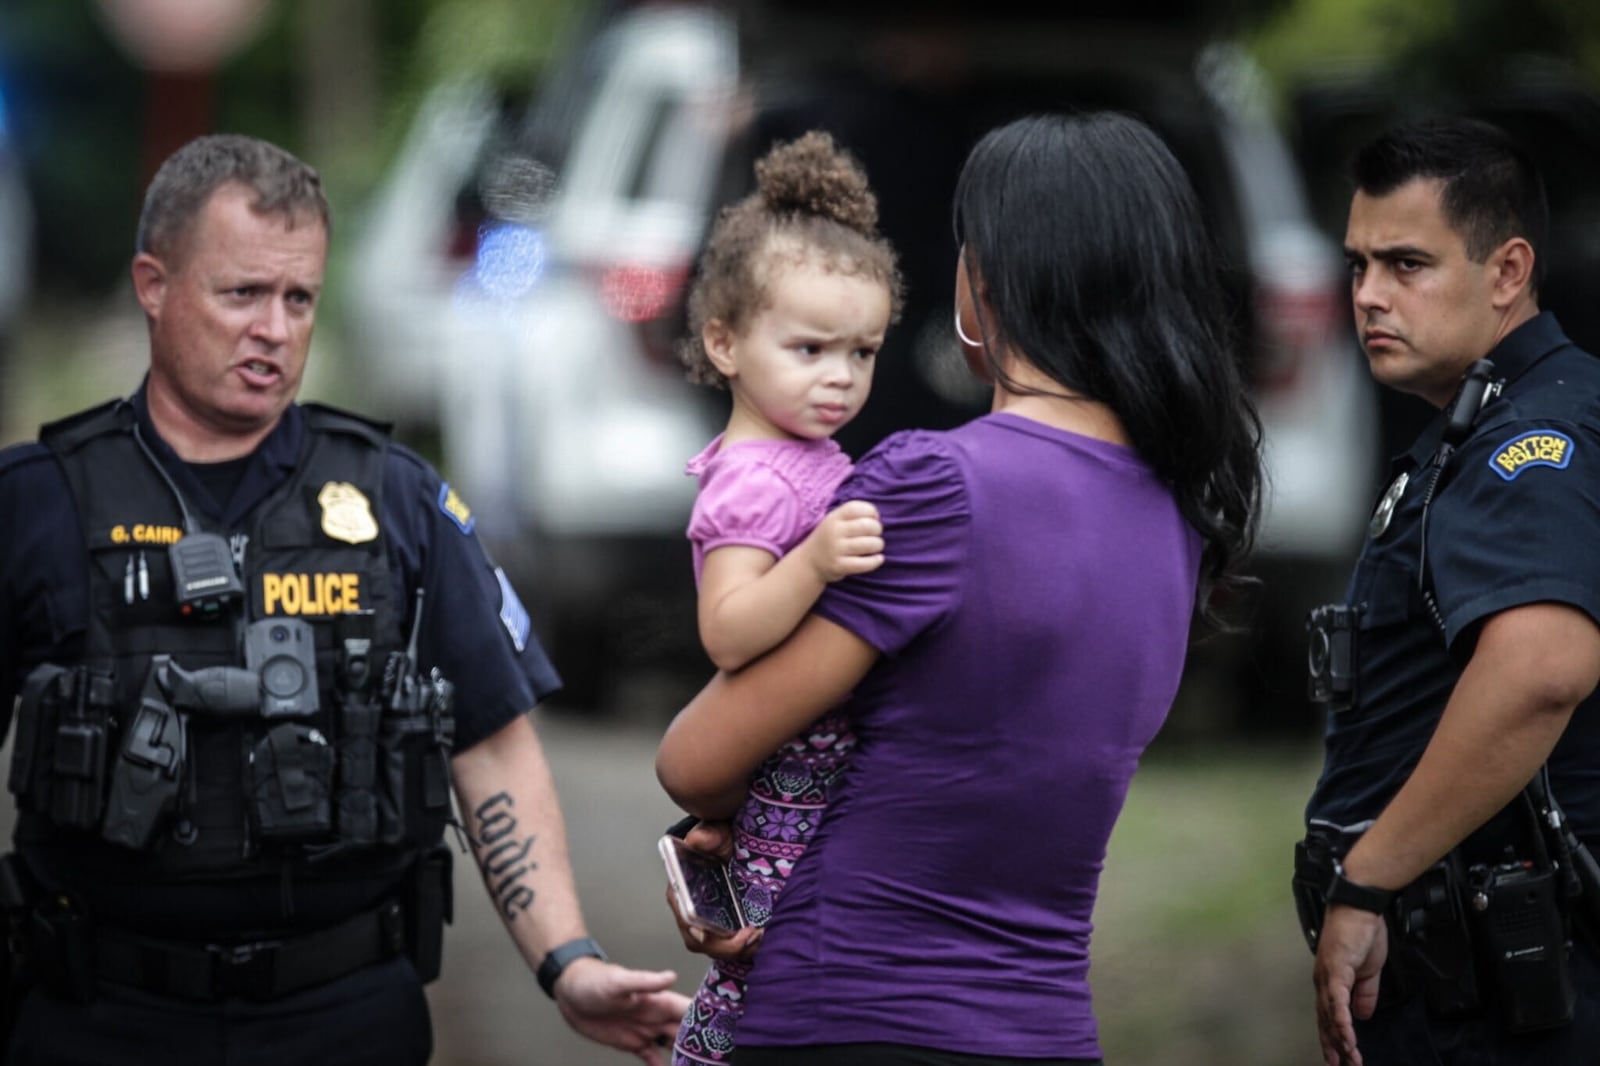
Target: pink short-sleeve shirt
<point>765,494</point>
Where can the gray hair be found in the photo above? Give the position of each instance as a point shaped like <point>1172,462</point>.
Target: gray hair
<point>186,181</point>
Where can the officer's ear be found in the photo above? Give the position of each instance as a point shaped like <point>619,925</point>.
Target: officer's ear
<point>149,283</point>
<point>1512,272</point>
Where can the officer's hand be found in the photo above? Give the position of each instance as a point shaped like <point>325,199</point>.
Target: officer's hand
<point>714,838</point>
<point>1350,954</point>
<point>630,1010</point>
<point>848,540</point>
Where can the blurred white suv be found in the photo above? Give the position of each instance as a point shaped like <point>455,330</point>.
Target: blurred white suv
<point>565,417</point>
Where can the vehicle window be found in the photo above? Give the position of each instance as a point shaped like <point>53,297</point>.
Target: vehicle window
<point>679,151</point>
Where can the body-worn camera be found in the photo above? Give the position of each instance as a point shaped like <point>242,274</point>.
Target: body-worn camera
<point>1331,654</point>
<point>283,652</point>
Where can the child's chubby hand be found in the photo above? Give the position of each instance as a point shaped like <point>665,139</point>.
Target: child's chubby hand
<point>848,540</point>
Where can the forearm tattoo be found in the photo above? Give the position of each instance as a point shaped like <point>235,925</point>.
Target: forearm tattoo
<point>503,857</point>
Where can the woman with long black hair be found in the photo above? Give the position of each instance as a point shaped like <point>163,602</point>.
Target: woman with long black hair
<point>1007,665</point>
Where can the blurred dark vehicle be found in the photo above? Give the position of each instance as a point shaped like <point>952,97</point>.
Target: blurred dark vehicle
<point>562,409</point>
<point>16,235</point>
<point>1552,112</point>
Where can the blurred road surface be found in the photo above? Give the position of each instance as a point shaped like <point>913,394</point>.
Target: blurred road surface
<point>487,1010</point>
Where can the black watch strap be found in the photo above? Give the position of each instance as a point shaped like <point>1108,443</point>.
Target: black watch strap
<point>555,963</point>
<point>1362,897</point>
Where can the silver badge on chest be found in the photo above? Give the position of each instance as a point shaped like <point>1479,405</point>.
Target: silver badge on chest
<point>1385,512</point>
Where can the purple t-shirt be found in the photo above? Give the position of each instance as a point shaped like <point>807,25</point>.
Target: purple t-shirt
<point>1033,614</point>
<point>764,494</point>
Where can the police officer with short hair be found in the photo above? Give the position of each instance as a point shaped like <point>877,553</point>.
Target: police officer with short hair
<point>1445,882</point>
<point>255,646</point>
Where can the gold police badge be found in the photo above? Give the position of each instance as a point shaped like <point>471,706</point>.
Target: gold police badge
<point>346,513</point>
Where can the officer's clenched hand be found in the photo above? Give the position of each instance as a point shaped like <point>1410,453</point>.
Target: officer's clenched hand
<point>631,1010</point>
<point>1350,954</point>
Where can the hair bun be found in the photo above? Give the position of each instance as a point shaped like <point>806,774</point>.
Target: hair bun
<point>811,176</point>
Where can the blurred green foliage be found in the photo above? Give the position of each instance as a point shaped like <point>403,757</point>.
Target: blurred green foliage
<point>1427,46</point>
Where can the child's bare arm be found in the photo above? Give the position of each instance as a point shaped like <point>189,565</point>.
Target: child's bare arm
<point>750,602</point>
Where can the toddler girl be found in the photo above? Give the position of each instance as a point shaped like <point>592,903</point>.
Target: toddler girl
<point>795,291</point>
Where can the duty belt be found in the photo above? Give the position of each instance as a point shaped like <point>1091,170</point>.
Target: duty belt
<point>261,970</point>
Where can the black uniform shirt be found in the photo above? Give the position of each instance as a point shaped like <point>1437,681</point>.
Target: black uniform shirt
<point>474,629</point>
<point>1515,520</point>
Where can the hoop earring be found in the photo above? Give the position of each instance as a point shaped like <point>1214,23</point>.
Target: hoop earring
<point>968,341</point>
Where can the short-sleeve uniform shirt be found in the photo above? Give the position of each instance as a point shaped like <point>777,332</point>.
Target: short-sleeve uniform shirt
<point>1514,519</point>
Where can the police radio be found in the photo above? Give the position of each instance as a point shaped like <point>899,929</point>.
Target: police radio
<point>1477,388</point>
<point>203,574</point>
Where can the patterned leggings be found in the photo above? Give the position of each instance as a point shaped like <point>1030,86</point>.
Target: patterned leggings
<point>788,794</point>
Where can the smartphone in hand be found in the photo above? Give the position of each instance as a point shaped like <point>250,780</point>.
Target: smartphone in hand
<point>702,886</point>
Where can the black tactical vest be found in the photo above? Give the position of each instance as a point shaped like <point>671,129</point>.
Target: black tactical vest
<point>286,724</point>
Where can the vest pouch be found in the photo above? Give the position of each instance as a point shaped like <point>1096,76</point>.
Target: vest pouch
<point>414,744</point>
<point>356,797</point>
<point>59,757</point>
<point>291,783</point>
<point>413,784</point>
<point>39,708</point>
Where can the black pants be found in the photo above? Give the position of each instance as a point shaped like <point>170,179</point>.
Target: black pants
<point>377,1016</point>
<point>1408,1034</point>
<point>882,1055</point>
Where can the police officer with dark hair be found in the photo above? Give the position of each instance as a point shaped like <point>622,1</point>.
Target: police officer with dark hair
<point>1445,881</point>
<point>254,647</point>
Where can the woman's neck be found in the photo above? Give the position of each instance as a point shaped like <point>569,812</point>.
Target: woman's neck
<point>1027,392</point>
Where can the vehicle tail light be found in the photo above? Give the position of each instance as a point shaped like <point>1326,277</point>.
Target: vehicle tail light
<point>635,293</point>
<point>1293,323</point>
<point>651,300</point>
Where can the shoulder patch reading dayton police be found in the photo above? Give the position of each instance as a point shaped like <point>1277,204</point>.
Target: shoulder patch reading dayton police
<point>1536,447</point>
<point>347,513</point>
<point>455,508</point>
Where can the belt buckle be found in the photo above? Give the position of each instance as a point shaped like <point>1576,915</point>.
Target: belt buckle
<point>246,971</point>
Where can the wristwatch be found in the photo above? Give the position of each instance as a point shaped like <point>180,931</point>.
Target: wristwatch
<point>561,956</point>
<point>1362,897</point>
